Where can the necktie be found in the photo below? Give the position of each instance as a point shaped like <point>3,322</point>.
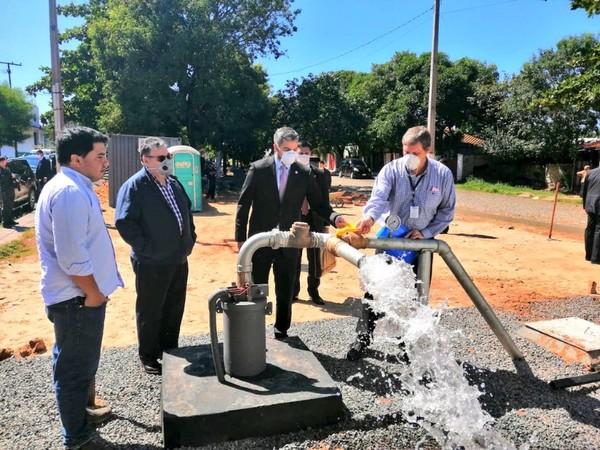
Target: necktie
<point>304,208</point>
<point>283,176</point>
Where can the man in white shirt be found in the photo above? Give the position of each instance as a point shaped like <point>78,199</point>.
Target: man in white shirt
<point>79,272</point>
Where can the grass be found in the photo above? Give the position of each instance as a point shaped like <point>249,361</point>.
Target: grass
<point>19,248</point>
<point>476,184</point>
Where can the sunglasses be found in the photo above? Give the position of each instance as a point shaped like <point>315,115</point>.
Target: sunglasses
<point>160,158</point>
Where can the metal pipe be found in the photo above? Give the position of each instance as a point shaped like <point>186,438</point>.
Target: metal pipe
<point>424,276</point>
<point>296,238</point>
<point>213,305</point>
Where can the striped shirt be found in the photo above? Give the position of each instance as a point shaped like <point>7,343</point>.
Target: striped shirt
<point>167,192</point>
<point>395,191</point>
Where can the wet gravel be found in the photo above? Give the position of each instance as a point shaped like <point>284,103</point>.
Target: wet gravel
<point>526,411</point>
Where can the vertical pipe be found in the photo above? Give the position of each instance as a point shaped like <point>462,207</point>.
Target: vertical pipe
<point>57,100</point>
<point>433,75</point>
<point>424,275</point>
<point>553,210</point>
<point>486,311</point>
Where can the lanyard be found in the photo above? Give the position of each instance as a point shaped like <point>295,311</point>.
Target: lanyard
<point>413,185</point>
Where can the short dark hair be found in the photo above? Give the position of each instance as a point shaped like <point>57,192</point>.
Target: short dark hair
<point>304,143</point>
<point>77,141</point>
<point>40,152</point>
<point>3,158</point>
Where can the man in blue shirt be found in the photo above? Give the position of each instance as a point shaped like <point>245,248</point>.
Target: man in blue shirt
<point>79,272</point>
<point>418,189</point>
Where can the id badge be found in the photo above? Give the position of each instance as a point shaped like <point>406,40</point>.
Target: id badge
<point>414,212</point>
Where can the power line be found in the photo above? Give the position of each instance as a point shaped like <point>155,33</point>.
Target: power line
<point>8,64</point>
<point>356,48</point>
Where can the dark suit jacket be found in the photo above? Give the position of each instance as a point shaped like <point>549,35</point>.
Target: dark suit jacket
<point>43,169</point>
<point>145,221</point>
<point>260,193</point>
<point>591,192</point>
<point>316,223</point>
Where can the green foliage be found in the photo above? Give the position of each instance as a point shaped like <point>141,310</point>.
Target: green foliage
<point>591,6</point>
<point>15,115</point>
<point>320,110</point>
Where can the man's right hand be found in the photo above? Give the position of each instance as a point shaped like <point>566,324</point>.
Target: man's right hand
<point>364,225</point>
<point>95,300</point>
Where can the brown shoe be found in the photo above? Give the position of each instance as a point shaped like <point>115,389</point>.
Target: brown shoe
<point>99,412</point>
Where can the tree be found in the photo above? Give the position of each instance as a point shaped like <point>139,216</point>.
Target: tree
<point>15,115</point>
<point>540,132</point>
<point>319,109</point>
<point>175,67</point>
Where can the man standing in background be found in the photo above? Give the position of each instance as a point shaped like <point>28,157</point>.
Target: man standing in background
<point>43,171</point>
<point>316,224</point>
<point>591,204</point>
<point>7,192</point>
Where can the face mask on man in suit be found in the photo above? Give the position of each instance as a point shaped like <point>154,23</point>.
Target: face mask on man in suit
<point>288,158</point>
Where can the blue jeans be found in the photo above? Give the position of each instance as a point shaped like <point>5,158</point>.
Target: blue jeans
<point>75,356</point>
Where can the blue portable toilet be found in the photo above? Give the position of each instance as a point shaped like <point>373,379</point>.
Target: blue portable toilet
<point>186,167</point>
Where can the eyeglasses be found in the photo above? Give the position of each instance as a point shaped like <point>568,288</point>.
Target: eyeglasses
<point>160,158</point>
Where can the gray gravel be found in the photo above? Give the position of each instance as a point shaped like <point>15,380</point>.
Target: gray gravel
<point>526,411</point>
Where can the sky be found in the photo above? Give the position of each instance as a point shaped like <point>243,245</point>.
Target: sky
<point>345,35</point>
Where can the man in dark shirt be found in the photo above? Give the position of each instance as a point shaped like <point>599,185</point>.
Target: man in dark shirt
<point>7,191</point>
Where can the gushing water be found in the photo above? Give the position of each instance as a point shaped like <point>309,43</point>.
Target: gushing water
<point>436,394</point>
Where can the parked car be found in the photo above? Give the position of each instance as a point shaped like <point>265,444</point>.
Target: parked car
<point>354,168</point>
<point>25,183</point>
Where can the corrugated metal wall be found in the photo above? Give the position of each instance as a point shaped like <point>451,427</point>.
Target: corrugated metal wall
<point>125,160</point>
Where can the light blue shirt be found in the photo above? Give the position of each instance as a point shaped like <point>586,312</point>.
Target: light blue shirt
<point>72,238</point>
<point>395,191</point>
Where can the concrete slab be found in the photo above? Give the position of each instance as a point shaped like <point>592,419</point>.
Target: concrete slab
<point>572,338</point>
<point>294,392</point>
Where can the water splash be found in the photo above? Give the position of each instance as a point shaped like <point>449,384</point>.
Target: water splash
<point>436,394</point>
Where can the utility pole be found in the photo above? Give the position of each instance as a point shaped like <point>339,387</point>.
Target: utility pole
<point>433,75</point>
<point>57,98</point>
<point>8,64</point>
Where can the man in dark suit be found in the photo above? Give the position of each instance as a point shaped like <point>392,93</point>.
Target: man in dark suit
<point>316,224</point>
<point>43,171</point>
<point>591,204</point>
<point>153,215</point>
<point>275,188</point>
<point>327,174</point>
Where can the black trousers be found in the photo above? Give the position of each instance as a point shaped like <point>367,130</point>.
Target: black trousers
<point>284,261</point>
<point>8,202</point>
<point>592,238</point>
<point>161,292</point>
<point>313,279</point>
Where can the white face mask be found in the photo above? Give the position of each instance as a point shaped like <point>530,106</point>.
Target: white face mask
<point>288,158</point>
<point>304,159</point>
<point>165,168</point>
<point>412,161</point>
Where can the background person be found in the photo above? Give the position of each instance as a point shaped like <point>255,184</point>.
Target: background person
<point>582,174</point>
<point>79,272</point>
<point>43,171</point>
<point>316,224</point>
<point>591,204</point>
<point>274,189</point>
<point>327,174</point>
<point>7,193</point>
<point>154,216</point>
<point>420,190</point>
